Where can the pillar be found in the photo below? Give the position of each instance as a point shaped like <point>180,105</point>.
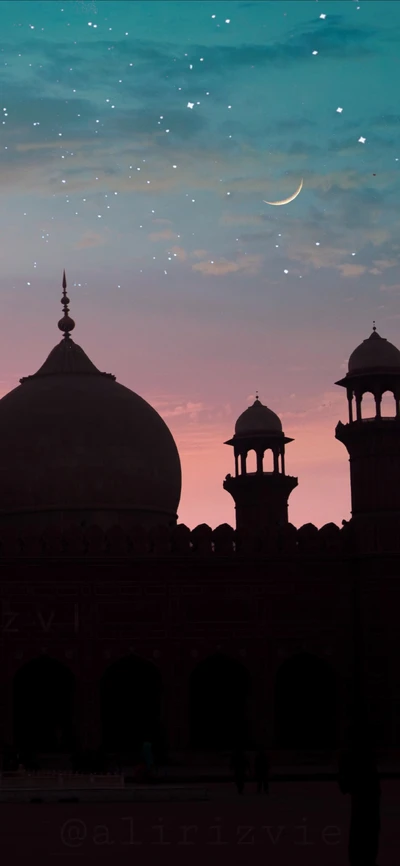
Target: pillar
<point>350,401</point>
<point>6,713</point>
<point>276,467</point>
<point>378,400</point>
<point>89,714</point>
<point>259,461</point>
<point>358,406</point>
<point>243,463</point>
<point>176,708</point>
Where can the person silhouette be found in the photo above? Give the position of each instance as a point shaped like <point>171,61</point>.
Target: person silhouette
<point>358,776</point>
<point>239,765</point>
<point>261,771</point>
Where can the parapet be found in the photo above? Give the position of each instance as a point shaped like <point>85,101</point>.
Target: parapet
<point>180,541</point>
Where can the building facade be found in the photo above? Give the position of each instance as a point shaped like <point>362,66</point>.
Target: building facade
<point>120,624</point>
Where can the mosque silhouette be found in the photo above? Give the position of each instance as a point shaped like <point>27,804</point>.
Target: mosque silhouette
<point>119,624</point>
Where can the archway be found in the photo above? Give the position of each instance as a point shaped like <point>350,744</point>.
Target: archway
<point>218,696</point>
<point>368,406</point>
<point>305,704</point>
<point>251,462</point>
<point>388,405</point>
<point>130,696</point>
<point>43,706</point>
<point>268,461</point>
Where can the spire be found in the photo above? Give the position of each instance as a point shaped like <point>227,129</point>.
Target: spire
<point>373,325</point>
<point>65,324</point>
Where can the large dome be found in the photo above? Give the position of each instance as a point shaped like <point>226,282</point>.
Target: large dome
<point>373,354</point>
<point>74,442</point>
<point>257,419</point>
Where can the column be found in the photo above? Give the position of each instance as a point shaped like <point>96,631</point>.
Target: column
<point>283,459</point>
<point>350,401</point>
<point>358,406</point>
<point>6,713</point>
<point>236,465</point>
<point>378,400</point>
<point>89,715</point>
<point>243,463</point>
<point>260,456</point>
<point>176,709</point>
<point>276,466</point>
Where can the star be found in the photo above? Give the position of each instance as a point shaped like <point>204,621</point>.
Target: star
<point>190,104</point>
<point>339,110</point>
<point>362,140</point>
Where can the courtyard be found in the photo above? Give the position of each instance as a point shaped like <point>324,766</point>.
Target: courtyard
<point>296,824</point>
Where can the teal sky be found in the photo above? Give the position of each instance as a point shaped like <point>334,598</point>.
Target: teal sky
<point>139,141</point>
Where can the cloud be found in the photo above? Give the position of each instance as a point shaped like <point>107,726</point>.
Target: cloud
<point>191,410</point>
<point>349,270</point>
<point>394,289</point>
<point>243,264</point>
<point>181,254</point>
<point>165,235</point>
<point>237,219</point>
<point>384,264</point>
<point>89,239</point>
<point>198,254</point>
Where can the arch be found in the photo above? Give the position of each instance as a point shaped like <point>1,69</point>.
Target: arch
<point>268,462</point>
<point>305,703</point>
<point>251,461</point>
<point>218,698</point>
<point>388,405</point>
<point>43,706</point>
<point>130,704</point>
<point>368,405</point>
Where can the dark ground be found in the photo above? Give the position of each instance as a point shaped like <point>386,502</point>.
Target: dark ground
<point>303,823</point>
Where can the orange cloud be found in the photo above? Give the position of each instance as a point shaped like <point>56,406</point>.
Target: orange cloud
<point>348,270</point>
<point>244,264</point>
<point>198,254</point>
<point>90,239</point>
<point>180,253</point>
<point>165,235</point>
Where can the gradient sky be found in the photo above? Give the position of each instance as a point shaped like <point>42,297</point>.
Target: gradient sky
<point>138,142</point>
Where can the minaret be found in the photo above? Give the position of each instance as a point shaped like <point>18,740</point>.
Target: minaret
<point>373,444</point>
<point>261,498</point>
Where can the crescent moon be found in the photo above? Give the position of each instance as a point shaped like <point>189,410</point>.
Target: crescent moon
<point>286,200</point>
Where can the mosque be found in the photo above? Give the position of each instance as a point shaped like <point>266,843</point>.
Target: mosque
<point>119,624</point>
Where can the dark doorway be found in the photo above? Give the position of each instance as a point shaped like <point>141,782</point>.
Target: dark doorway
<point>305,704</point>
<point>130,694</point>
<point>219,690</point>
<point>43,701</point>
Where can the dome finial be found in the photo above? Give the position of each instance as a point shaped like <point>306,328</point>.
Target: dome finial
<point>373,325</point>
<point>257,397</point>
<point>65,324</point>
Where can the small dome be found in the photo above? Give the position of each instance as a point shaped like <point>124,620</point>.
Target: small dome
<point>374,353</point>
<point>257,419</point>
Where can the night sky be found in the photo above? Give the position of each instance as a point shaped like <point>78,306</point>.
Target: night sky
<point>139,141</point>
